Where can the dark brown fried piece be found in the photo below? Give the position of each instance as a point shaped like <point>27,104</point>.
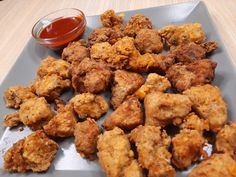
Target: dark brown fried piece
<point>198,72</point>
<point>110,19</point>
<point>209,46</point>
<point>12,120</point>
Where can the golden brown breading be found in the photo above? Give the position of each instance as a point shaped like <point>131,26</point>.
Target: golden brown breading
<point>35,113</point>
<point>148,41</point>
<point>127,116</point>
<point>35,152</point>
<point>89,105</point>
<point>187,148</point>
<point>153,83</point>
<point>50,65</point>
<point>152,146</point>
<point>75,51</point>
<point>134,170</point>
<point>189,32</point>
<point>226,140</point>
<point>125,83</point>
<point>90,76</point>
<point>218,165</point>
<point>209,104</point>
<point>12,120</point>
<point>99,51</point>
<point>198,72</point>
<point>136,23</point>
<point>15,95</point>
<point>210,46</point>
<point>110,19</point>
<point>162,109</point>
<point>86,136</point>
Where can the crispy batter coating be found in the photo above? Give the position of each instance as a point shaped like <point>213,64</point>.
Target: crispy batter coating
<point>99,51</point>
<point>153,83</point>
<point>187,148</point>
<point>134,170</point>
<point>12,120</point>
<point>75,51</point>
<point>136,23</point>
<point>198,72</point>
<point>127,116</point>
<point>148,41</point>
<point>152,146</point>
<point>209,104</point>
<point>162,109</point>
<point>35,152</point>
<point>209,46</point>
<point>217,165</point>
<point>15,95</point>
<point>86,136</point>
<point>125,83</point>
<point>110,19</point>
<point>90,76</point>
<point>35,113</point>
<point>176,35</point>
<point>89,105</point>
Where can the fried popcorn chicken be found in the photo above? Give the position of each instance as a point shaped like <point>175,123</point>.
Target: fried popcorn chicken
<point>176,35</point>
<point>217,165</point>
<point>187,148</point>
<point>198,72</point>
<point>51,65</point>
<point>89,105</point>
<point>75,51</point>
<point>148,41</point>
<point>226,140</point>
<point>86,136</point>
<point>134,169</point>
<point>125,83</point>
<point>90,76</point>
<point>110,19</point>
<point>208,104</point>
<point>15,95</point>
<point>127,116</point>
<point>12,120</point>
<point>35,152</point>
<point>35,113</point>
<point>162,109</point>
<point>153,83</point>
<point>152,146</point>
<point>100,51</point>
<point>136,23</point>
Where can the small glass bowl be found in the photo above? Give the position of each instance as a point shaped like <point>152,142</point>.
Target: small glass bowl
<point>60,41</point>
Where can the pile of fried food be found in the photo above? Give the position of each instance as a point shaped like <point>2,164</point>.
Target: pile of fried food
<point>137,139</point>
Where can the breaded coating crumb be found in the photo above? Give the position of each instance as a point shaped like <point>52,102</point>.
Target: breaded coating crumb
<point>12,120</point>
<point>110,19</point>
<point>86,136</point>
<point>208,104</point>
<point>127,116</point>
<point>134,170</point>
<point>210,46</point>
<point>89,105</point>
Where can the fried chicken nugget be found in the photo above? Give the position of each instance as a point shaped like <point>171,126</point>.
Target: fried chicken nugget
<point>35,152</point>
<point>208,104</point>
<point>14,96</point>
<point>162,109</point>
<point>134,169</point>
<point>86,136</point>
<point>89,105</point>
<point>152,146</point>
<point>127,116</point>
<point>125,83</point>
<point>198,72</point>
<point>12,120</point>
<point>217,165</point>
<point>110,19</point>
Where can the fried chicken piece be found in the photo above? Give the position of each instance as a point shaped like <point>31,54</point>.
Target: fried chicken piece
<point>217,165</point>
<point>90,76</point>
<point>35,152</point>
<point>62,124</point>
<point>15,95</point>
<point>148,41</point>
<point>162,109</point>
<point>198,72</point>
<point>136,23</point>
<point>75,51</point>
<point>208,104</point>
<point>152,146</point>
<point>153,83</point>
<point>125,83</point>
<point>127,116</point>
<point>100,51</point>
<point>134,169</point>
<point>89,105</point>
<point>110,19</point>
<point>86,136</point>
<point>209,46</point>
<point>12,120</point>
<point>226,140</point>
<point>35,113</point>
<point>189,32</point>
<point>187,148</point>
